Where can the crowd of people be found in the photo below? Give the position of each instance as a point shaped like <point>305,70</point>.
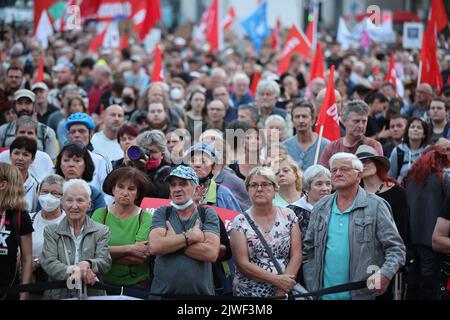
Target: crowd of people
<point>81,149</point>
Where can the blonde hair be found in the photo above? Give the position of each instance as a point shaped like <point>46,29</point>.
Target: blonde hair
<point>297,171</point>
<point>13,197</point>
<point>262,171</point>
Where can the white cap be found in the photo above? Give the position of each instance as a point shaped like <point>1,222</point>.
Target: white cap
<point>39,85</point>
<point>24,93</point>
<point>136,58</point>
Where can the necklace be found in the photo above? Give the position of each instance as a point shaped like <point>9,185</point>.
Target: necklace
<point>379,189</point>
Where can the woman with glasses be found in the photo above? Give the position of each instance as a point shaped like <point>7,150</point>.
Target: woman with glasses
<point>256,275</point>
<point>129,226</point>
<point>50,193</point>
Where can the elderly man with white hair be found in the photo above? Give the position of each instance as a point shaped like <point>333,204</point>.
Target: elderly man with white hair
<point>351,236</point>
<point>241,90</point>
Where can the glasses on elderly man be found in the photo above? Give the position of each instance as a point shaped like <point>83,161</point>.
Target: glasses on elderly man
<point>342,169</point>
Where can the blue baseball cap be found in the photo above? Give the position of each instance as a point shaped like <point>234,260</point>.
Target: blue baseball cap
<point>184,172</point>
<point>82,118</point>
<point>205,148</point>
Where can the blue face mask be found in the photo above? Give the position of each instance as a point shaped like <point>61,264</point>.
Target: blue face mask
<point>183,206</point>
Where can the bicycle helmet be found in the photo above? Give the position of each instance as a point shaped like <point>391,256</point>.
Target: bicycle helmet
<point>203,147</point>
<point>82,118</point>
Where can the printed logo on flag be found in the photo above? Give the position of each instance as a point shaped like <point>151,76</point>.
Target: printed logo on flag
<point>333,112</point>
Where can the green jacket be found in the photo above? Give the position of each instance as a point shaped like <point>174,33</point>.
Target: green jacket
<point>93,247</point>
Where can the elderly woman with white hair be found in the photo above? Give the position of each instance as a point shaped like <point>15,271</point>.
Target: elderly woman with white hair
<point>257,275</point>
<point>154,161</point>
<point>77,246</point>
<point>316,184</point>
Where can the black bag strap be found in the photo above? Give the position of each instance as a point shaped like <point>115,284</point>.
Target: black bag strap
<point>264,242</point>
<point>400,159</point>
<point>7,134</point>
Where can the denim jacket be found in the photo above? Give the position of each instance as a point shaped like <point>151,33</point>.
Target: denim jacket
<point>373,236</point>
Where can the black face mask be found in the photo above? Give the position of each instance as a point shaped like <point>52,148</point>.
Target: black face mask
<point>206,179</point>
<point>128,100</point>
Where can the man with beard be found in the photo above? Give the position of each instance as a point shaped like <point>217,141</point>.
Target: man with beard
<point>354,118</point>
<point>24,106</point>
<point>105,142</point>
<point>302,147</point>
<point>14,79</point>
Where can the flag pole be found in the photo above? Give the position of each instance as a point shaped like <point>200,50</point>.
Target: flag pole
<point>420,73</point>
<point>319,140</point>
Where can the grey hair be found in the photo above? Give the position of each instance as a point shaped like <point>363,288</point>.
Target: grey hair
<point>268,85</point>
<point>26,121</point>
<point>154,137</point>
<point>105,70</point>
<point>356,163</point>
<point>311,173</point>
<point>77,183</point>
<point>218,72</point>
<point>52,180</point>
<point>356,106</point>
<point>275,117</point>
<point>262,171</point>
<point>253,110</point>
<point>241,76</point>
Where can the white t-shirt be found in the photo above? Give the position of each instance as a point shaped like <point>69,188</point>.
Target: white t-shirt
<point>40,168</point>
<point>102,168</point>
<point>31,194</point>
<point>106,147</point>
<point>39,224</point>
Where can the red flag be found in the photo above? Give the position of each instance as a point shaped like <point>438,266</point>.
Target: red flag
<point>391,75</point>
<point>438,14</point>
<point>39,7</point>
<point>317,67</point>
<point>40,73</point>
<point>213,32</point>
<point>430,72</point>
<point>152,16</point>
<point>276,37</point>
<point>229,19</point>
<point>97,41</point>
<point>124,43</point>
<point>1,56</point>
<point>157,75</point>
<point>376,70</point>
<point>296,43</point>
<point>255,80</point>
<point>328,115</point>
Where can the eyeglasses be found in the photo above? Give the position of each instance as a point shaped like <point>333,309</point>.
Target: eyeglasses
<point>343,170</point>
<point>264,185</point>
<point>55,194</point>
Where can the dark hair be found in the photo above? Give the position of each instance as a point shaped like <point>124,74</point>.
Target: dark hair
<point>303,103</point>
<point>76,149</point>
<point>127,129</point>
<point>426,137</point>
<point>26,143</point>
<point>376,95</point>
<point>189,101</point>
<point>139,178</point>
<point>441,99</point>
<point>14,67</point>
<point>87,63</point>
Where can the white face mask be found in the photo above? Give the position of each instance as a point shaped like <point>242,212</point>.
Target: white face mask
<point>183,206</point>
<point>176,94</point>
<point>49,202</point>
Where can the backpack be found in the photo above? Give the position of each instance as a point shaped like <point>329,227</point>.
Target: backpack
<point>400,159</point>
<point>41,133</point>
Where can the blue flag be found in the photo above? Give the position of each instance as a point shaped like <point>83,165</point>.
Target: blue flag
<point>256,26</point>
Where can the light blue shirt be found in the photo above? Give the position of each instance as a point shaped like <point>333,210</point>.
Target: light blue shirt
<point>304,158</point>
<point>337,253</point>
